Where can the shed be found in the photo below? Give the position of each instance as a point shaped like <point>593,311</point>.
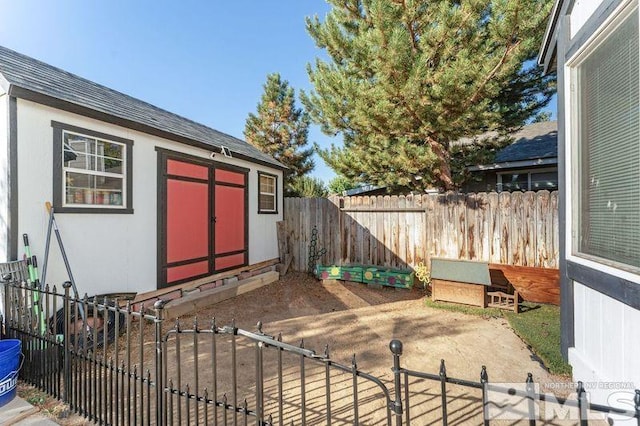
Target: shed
<point>144,198</point>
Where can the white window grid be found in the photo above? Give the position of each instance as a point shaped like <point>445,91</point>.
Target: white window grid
<point>89,140</point>
<point>271,194</point>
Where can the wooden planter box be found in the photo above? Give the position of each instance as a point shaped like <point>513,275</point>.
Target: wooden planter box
<point>399,278</point>
<point>335,272</point>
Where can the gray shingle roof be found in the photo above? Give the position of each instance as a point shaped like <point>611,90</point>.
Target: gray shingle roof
<point>538,140</point>
<point>25,76</point>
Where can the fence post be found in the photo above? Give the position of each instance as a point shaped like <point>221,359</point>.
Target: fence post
<point>396,349</point>
<point>636,402</point>
<point>159,308</point>
<point>67,348</point>
<point>582,404</point>
<point>443,391</point>
<point>530,386</point>
<point>484,379</point>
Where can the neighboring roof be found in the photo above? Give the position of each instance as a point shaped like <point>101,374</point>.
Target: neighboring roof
<point>365,190</point>
<point>30,79</point>
<point>539,140</point>
<point>535,144</point>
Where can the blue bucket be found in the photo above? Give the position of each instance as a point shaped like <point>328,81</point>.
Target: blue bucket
<point>9,367</point>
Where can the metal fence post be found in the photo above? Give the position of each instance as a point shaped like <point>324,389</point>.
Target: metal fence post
<point>67,347</point>
<point>531,407</point>
<point>396,349</point>
<point>636,402</point>
<point>582,404</point>
<point>443,391</point>
<point>159,308</point>
<point>484,379</point>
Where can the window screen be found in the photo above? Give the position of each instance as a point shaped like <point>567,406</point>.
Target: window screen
<point>609,148</point>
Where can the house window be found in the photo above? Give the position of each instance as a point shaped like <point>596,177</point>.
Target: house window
<point>92,171</point>
<point>268,193</point>
<point>528,180</point>
<point>607,117</point>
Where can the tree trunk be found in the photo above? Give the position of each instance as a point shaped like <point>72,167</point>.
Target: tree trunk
<point>444,168</point>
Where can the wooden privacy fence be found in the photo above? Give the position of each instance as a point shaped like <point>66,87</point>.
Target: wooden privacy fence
<point>402,231</point>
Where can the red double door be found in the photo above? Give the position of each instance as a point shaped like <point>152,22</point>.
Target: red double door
<point>203,219</point>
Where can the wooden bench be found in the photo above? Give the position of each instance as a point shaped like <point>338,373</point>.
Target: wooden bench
<point>469,282</point>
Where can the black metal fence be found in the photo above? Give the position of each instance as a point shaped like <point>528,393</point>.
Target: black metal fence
<point>117,364</point>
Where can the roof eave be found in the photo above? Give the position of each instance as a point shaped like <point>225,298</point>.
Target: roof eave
<point>30,95</point>
<point>537,162</point>
<point>549,41</point>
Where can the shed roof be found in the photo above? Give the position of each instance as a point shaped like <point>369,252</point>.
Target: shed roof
<point>465,271</point>
<point>28,78</point>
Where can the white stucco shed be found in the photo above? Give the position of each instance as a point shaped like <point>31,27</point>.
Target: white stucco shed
<point>143,198</point>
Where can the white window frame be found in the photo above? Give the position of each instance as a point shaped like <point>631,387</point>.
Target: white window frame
<point>89,172</point>
<point>572,162</point>
<point>274,194</point>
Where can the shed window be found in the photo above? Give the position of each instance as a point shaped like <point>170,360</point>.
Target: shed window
<point>268,193</point>
<point>607,211</point>
<point>93,171</point>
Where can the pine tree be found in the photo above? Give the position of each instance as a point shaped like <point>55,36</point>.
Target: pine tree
<point>407,78</point>
<point>339,184</point>
<point>280,129</point>
<point>307,187</point>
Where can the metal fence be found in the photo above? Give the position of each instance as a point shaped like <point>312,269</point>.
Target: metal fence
<point>118,365</point>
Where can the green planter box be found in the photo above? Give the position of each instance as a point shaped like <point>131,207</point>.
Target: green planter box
<point>400,278</point>
<point>335,272</point>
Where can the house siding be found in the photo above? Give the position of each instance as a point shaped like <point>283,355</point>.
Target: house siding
<point>4,176</point>
<point>112,252</point>
<point>604,346</point>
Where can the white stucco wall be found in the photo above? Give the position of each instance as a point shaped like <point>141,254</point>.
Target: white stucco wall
<point>111,252</point>
<point>607,332</point>
<point>4,176</point>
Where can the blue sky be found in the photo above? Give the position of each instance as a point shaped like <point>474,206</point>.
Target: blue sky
<point>205,60</point>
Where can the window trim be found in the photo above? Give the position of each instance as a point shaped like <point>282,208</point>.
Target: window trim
<point>275,194</point>
<point>528,172</point>
<point>58,173</point>
<point>579,53</point>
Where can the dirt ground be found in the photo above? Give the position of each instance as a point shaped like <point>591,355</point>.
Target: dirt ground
<point>355,319</point>
<point>358,319</point>
<point>352,319</point>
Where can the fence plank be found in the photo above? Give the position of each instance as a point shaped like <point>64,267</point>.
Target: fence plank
<point>401,231</point>
<point>380,231</point>
<point>373,228</point>
<point>529,217</point>
<point>505,228</point>
<point>555,242</point>
<point>542,207</point>
<point>515,237</point>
